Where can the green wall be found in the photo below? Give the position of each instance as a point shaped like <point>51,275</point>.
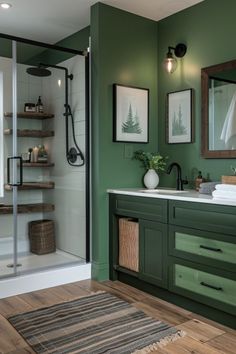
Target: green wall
<point>209,31</point>
<point>124,51</point>
<point>129,50</point>
<point>78,40</point>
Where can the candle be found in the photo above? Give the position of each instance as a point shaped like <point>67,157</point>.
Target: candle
<point>35,154</point>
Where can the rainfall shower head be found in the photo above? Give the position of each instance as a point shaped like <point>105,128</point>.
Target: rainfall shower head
<point>38,71</point>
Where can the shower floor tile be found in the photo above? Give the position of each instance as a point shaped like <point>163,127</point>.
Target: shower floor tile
<point>30,262</point>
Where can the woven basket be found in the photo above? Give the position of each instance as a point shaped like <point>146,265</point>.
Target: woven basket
<point>228,179</point>
<point>129,244</point>
<point>42,237</point>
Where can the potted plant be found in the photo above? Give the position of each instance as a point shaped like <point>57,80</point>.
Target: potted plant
<point>153,163</point>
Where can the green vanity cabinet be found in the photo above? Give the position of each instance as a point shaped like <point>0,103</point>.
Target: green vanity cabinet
<point>187,252</point>
<point>153,252</point>
<point>151,215</point>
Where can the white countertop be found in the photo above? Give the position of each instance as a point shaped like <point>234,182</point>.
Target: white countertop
<point>168,193</point>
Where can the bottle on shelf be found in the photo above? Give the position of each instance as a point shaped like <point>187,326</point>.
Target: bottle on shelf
<point>30,155</point>
<point>39,105</point>
<point>42,154</point>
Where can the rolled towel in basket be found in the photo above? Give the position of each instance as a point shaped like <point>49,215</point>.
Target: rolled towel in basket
<point>226,187</point>
<point>221,194</point>
<point>207,187</point>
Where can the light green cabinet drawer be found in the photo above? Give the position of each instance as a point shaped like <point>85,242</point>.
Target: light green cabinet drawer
<point>206,247</point>
<point>203,247</point>
<point>206,284</point>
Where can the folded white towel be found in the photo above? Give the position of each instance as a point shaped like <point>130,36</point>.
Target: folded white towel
<point>226,187</point>
<point>217,194</point>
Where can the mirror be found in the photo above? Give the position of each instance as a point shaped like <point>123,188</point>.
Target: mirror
<point>219,110</point>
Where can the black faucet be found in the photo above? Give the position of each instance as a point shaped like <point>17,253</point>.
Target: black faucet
<point>179,181</point>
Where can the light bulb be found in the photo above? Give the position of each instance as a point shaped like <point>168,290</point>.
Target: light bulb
<point>5,5</point>
<point>170,64</point>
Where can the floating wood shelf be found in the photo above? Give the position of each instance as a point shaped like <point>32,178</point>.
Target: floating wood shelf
<point>27,208</point>
<point>38,164</point>
<point>29,115</point>
<point>32,185</point>
<point>31,133</point>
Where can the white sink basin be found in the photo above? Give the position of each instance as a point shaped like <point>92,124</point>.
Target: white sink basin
<point>161,191</point>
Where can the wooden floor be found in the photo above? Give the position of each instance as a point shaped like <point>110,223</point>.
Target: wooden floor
<point>202,336</point>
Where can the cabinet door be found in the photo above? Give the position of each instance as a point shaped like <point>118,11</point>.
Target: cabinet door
<point>153,252</point>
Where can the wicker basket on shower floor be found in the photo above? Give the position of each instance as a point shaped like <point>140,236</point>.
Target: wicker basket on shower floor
<point>42,236</point>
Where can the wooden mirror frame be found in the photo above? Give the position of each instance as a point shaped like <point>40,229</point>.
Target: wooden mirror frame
<point>205,74</point>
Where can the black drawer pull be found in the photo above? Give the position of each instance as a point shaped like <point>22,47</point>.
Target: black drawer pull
<point>211,286</point>
<point>211,248</point>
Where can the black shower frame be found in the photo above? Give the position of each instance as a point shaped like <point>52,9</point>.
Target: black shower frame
<point>84,53</point>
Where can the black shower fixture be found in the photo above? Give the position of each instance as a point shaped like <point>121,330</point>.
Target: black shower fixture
<point>38,71</point>
<point>72,153</point>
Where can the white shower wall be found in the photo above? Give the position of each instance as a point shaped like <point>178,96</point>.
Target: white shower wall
<point>69,194</point>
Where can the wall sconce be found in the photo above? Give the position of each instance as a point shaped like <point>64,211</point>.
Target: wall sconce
<point>170,62</point>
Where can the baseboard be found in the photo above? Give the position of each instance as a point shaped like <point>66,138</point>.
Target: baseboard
<point>45,279</point>
<point>100,271</point>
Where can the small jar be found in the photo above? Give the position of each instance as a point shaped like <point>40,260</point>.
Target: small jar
<point>29,107</point>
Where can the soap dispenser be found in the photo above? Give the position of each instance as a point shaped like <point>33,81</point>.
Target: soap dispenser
<point>198,180</point>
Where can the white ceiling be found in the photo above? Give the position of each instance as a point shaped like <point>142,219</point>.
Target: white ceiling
<point>52,20</point>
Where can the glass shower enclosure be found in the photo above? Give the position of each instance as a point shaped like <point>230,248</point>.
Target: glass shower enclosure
<point>44,191</point>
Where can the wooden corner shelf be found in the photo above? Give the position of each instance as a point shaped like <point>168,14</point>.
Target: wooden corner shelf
<point>31,133</point>
<point>38,164</point>
<point>32,185</point>
<point>30,115</point>
<point>27,208</point>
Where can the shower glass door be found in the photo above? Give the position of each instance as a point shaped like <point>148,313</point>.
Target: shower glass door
<point>10,164</point>
<point>52,229</point>
<point>43,158</point>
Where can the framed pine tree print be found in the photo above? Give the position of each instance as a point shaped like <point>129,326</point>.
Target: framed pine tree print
<point>131,114</point>
<point>179,119</point>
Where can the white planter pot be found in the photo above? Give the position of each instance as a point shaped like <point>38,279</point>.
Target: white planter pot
<point>151,179</point>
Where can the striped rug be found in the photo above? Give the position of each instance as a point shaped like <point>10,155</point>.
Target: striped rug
<point>94,324</point>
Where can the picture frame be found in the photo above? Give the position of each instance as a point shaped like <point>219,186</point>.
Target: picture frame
<point>179,117</point>
<point>130,114</point>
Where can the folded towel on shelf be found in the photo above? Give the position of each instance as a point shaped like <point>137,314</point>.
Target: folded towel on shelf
<point>207,187</point>
<point>220,194</point>
<point>226,187</point>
